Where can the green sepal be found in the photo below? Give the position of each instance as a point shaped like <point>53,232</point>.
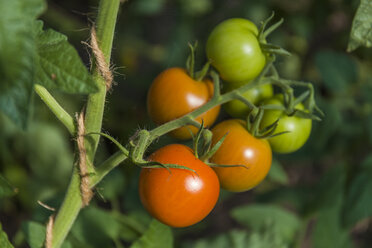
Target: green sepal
<point>226,165</point>
<point>213,150</point>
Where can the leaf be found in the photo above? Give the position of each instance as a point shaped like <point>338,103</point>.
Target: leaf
<point>257,216</point>
<point>361,34</point>
<point>241,239</point>
<point>96,227</point>
<point>59,65</point>
<point>277,173</point>
<point>4,241</point>
<point>358,202</point>
<point>35,233</point>
<point>328,231</point>
<point>113,185</point>
<point>338,70</point>
<point>17,56</point>
<point>157,236</point>
<point>6,189</point>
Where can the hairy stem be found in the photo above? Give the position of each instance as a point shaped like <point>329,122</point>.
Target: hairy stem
<point>57,109</point>
<point>72,203</point>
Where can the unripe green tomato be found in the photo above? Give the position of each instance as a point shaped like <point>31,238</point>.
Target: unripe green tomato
<point>298,128</point>
<point>238,109</point>
<point>234,50</point>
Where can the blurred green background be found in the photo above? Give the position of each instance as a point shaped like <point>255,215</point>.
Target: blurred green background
<point>320,196</point>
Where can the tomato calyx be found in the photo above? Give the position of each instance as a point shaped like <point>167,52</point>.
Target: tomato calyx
<point>203,149</point>
<point>264,32</point>
<point>137,148</point>
<point>202,144</point>
<point>190,65</point>
<point>307,98</point>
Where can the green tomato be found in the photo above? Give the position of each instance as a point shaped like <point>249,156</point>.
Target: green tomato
<point>238,109</point>
<point>234,50</point>
<point>299,128</point>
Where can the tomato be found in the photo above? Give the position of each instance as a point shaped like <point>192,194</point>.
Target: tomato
<point>178,198</point>
<point>238,109</point>
<point>240,148</point>
<point>234,50</point>
<point>299,128</point>
<point>173,94</point>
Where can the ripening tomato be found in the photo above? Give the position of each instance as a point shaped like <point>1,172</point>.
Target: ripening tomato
<point>234,50</point>
<point>238,109</point>
<point>240,148</point>
<point>178,198</point>
<point>173,94</point>
<point>299,128</point>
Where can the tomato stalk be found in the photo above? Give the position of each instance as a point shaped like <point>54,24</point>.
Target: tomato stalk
<point>72,203</point>
<point>56,108</point>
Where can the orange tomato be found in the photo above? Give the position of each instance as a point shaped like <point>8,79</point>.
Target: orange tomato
<point>178,198</point>
<point>173,94</point>
<point>240,148</point>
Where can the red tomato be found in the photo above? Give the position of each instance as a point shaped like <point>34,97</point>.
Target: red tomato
<point>173,94</point>
<point>178,198</point>
<point>240,148</point>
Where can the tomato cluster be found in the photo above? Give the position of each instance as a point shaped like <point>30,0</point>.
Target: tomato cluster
<point>180,197</point>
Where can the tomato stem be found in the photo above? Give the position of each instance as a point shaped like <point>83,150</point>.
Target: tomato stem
<point>72,203</point>
<point>56,108</point>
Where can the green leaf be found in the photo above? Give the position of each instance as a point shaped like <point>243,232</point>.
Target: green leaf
<point>113,185</point>
<point>35,233</point>
<point>131,227</point>
<point>157,236</point>
<point>328,231</point>
<point>96,227</point>
<point>241,239</point>
<point>277,173</point>
<point>6,189</point>
<point>257,216</point>
<point>59,65</point>
<point>4,242</point>
<point>361,34</point>
<point>17,57</point>
<point>358,202</point>
<point>338,70</point>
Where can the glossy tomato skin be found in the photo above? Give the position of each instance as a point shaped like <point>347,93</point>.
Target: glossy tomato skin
<point>240,148</point>
<point>173,94</point>
<point>180,198</point>
<point>234,50</point>
<point>238,109</point>
<point>299,128</point>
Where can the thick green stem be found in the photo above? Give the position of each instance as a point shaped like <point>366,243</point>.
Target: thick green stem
<point>72,203</point>
<point>106,21</point>
<point>57,109</point>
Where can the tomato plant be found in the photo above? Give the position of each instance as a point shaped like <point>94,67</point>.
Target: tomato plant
<point>173,94</point>
<point>298,128</point>
<point>238,109</point>
<point>178,197</point>
<point>240,148</point>
<point>234,50</point>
